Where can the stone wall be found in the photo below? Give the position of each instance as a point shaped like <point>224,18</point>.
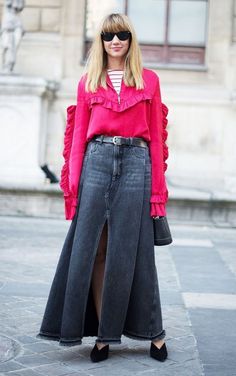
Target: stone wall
<point>41,16</point>
<point>40,50</point>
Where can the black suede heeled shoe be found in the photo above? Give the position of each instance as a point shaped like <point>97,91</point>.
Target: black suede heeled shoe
<point>158,354</point>
<point>97,355</point>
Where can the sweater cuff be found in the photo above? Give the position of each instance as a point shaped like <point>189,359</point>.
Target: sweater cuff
<point>160,198</point>
<point>158,210</point>
<point>70,206</point>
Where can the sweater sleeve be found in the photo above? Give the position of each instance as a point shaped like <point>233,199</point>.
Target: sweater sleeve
<point>158,153</point>
<point>82,116</point>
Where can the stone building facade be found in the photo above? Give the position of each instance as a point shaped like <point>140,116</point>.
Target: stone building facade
<point>198,82</point>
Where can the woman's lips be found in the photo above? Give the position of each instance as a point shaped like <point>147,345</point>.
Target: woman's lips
<point>116,48</point>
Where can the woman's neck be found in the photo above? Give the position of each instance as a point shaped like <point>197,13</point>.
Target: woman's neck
<point>117,64</point>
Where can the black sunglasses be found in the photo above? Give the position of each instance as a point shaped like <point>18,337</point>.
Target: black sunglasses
<point>122,35</point>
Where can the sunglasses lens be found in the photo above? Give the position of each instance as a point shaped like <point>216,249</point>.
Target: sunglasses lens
<point>107,36</point>
<point>122,35</point>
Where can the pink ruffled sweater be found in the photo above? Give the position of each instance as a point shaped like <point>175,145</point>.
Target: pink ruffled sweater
<point>132,113</point>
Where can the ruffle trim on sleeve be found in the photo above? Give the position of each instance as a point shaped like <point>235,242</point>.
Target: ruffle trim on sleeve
<point>68,136</point>
<point>164,134</point>
<point>119,107</point>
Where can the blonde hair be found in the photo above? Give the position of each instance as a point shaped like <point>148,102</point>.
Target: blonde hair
<point>96,64</point>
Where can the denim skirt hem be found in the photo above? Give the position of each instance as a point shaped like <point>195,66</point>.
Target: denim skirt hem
<point>78,341</point>
<point>48,336</point>
<point>70,342</point>
<point>161,335</point>
<point>62,341</point>
<point>108,340</point>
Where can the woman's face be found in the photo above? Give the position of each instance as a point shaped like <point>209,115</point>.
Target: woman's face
<point>116,47</point>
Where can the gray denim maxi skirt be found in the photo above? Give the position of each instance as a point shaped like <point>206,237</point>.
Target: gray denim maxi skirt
<point>115,185</point>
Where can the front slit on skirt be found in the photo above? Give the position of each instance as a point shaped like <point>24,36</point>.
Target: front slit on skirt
<point>115,185</point>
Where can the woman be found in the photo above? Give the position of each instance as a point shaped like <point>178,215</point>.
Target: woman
<point>113,182</point>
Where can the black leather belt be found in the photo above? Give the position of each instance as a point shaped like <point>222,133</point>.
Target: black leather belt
<point>119,140</point>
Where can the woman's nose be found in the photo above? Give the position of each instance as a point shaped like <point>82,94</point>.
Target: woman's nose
<point>115,39</point>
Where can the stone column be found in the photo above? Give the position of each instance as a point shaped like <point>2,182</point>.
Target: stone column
<point>23,125</point>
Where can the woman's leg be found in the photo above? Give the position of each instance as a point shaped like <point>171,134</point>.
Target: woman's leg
<point>98,274</point>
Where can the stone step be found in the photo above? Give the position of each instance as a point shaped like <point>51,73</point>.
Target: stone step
<point>184,205</point>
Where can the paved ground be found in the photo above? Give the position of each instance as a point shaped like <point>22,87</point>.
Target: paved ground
<point>198,292</point>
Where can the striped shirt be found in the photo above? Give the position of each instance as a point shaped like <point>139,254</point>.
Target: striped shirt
<point>116,78</point>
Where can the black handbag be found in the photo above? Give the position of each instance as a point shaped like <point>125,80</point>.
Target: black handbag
<point>162,235</point>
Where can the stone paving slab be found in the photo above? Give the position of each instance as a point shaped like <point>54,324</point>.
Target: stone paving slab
<point>194,265</point>
<point>219,331</point>
<point>30,249</point>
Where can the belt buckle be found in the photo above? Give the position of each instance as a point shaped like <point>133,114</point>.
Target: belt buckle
<point>116,140</point>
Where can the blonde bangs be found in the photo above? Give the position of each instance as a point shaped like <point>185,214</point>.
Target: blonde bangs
<point>114,23</point>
